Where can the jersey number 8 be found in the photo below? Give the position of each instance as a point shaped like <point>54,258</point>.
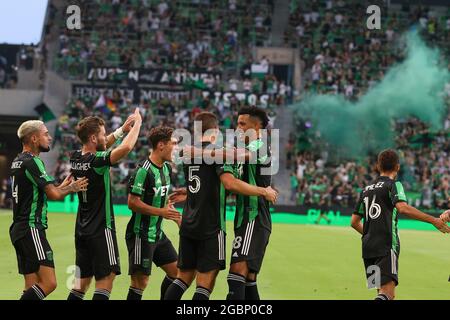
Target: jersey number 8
<point>237,242</point>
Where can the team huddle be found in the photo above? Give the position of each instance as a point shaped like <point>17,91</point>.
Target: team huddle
<point>201,253</point>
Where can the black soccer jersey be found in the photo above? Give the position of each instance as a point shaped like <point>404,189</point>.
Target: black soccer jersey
<point>249,208</point>
<point>152,184</point>
<point>29,179</point>
<point>95,209</point>
<point>204,210</point>
<point>377,207</point>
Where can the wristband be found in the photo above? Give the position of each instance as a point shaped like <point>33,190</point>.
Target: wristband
<point>118,133</point>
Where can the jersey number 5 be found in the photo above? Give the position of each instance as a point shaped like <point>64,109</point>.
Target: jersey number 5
<point>195,178</point>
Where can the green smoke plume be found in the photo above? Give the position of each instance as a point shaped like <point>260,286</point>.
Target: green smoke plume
<point>411,88</point>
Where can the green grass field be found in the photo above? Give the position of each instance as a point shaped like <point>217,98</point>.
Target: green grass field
<point>302,262</point>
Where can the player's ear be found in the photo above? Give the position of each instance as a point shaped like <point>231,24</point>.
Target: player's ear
<point>33,138</point>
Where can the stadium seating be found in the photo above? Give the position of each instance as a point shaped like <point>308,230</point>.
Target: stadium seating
<point>343,59</point>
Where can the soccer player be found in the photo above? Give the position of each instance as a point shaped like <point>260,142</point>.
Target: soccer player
<point>31,187</point>
<point>252,223</point>
<point>148,199</point>
<point>202,232</point>
<point>378,205</point>
<point>95,237</point>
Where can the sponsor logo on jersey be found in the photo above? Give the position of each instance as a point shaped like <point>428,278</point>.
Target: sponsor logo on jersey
<point>164,190</point>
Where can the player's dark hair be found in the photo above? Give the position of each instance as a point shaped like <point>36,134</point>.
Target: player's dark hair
<point>208,120</point>
<point>159,134</point>
<point>388,160</point>
<point>255,112</point>
<point>88,127</point>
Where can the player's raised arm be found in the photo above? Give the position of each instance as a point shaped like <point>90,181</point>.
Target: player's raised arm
<point>119,133</point>
<point>416,214</point>
<point>238,186</point>
<point>130,140</point>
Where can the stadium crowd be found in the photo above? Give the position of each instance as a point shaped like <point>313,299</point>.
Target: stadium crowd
<point>164,34</point>
<point>342,58</point>
<point>339,58</point>
<point>172,35</point>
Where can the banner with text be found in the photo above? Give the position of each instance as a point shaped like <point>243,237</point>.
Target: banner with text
<point>149,76</point>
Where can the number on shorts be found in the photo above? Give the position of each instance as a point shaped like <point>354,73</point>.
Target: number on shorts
<point>237,242</point>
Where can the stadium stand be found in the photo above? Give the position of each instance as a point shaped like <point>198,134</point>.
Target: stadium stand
<point>344,59</point>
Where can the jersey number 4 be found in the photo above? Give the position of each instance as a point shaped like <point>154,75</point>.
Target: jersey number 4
<point>194,178</point>
<point>374,210</point>
<point>15,190</point>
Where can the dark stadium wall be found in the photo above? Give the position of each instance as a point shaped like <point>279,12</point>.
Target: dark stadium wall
<point>9,143</point>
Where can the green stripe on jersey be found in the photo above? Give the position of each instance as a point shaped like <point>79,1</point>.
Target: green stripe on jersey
<point>155,203</point>
<point>106,180</point>
<point>361,209</point>
<point>32,218</point>
<point>400,192</point>
<point>137,224</point>
<point>167,183</point>
<point>394,230</point>
<point>253,200</point>
<point>222,204</point>
<point>44,211</point>
<point>41,167</point>
<point>255,145</point>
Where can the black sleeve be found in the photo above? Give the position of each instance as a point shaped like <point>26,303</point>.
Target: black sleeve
<point>224,168</point>
<point>35,171</point>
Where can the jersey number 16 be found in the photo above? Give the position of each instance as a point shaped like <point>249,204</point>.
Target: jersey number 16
<point>374,210</point>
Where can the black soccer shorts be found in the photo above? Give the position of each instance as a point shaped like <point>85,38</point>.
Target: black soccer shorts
<point>388,266</point>
<point>98,255</point>
<point>33,251</point>
<point>202,255</point>
<point>249,244</point>
<point>141,254</point>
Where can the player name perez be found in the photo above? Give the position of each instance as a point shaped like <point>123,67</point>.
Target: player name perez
<point>193,310</point>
